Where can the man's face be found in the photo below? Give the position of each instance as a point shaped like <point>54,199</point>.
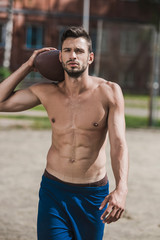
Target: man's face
<point>75,56</point>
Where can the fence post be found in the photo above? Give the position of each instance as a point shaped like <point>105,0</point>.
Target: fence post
<point>8,36</point>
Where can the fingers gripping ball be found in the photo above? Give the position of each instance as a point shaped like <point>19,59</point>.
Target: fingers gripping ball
<point>48,64</point>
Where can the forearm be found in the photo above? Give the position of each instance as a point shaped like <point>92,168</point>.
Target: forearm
<point>117,198</point>
<point>119,160</point>
<point>8,85</point>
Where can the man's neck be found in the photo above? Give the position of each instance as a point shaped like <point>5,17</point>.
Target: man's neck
<point>75,86</point>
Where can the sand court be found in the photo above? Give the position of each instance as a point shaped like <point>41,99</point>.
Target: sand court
<point>22,162</point>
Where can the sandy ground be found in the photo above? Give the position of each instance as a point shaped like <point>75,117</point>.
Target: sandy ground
<point>22,161</point>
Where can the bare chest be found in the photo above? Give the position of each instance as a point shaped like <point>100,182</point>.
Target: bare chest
<point>77,113</point>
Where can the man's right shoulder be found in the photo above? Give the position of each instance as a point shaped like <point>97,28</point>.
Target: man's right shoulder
<point>43,88</point>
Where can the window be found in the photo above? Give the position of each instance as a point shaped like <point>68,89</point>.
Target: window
<point>2,34</point>
<point>128,42</point>
<point>35,37</point>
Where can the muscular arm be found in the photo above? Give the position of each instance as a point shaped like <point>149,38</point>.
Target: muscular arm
<point>12,101</point>
<point>119,151</point>
<point>119,157</point>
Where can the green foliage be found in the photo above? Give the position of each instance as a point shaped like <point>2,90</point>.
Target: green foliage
<point>4,73</point>
<point>138,122</point>
<point>39,108</point>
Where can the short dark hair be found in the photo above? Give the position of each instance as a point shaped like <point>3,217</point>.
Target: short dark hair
<point>76,32</point>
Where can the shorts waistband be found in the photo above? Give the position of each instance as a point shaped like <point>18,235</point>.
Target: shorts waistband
<point>99,183</point>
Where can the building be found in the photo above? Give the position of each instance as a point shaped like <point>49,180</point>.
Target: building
<point>123,34</point>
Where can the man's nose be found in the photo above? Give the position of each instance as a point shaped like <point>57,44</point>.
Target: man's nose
<point>73,55</point>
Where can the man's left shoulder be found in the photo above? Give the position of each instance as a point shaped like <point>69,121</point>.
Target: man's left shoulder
<point>107,87</point>
<point>110,85</point>
<point>114,94</point>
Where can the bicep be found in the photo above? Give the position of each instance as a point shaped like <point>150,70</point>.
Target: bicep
<point>116,119</point>
<point>19,101</point>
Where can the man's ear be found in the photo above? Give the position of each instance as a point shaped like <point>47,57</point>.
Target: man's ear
<point>91,58</point>
<point>60,56</point>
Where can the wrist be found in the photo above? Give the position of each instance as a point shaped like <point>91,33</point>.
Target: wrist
<point>27,67</point>
<point>123,188</point>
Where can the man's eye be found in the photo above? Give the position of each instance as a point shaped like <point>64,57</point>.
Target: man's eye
<point>79,51</point>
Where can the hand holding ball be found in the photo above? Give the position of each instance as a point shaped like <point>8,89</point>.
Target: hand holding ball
<point>48,64</point>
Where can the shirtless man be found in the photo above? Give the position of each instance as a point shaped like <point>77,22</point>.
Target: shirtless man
<point>74,199</point>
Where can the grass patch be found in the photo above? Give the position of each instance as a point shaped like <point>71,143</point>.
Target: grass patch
<point>139,101</point>
<point>138,122</point>
<point>133,101</point>
<point>136,97</point>
<point>39,108</point>
<point>37,122</point>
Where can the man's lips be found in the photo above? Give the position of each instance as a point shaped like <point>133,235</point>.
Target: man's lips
<point>72,63</point>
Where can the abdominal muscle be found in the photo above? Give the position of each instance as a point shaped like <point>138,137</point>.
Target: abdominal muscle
<point>77,157</point>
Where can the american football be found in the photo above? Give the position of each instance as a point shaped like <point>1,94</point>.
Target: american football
<point>48,64</point>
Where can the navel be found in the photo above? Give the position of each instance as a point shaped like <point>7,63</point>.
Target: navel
<point>72,160</point>
<point>95,124</point>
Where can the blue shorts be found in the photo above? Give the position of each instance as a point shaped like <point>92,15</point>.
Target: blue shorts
<point>68,212</point>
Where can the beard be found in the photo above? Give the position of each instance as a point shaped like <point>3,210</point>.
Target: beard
<point>74,72</point>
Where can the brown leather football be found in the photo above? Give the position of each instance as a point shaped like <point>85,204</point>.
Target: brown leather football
<point>48,64</point>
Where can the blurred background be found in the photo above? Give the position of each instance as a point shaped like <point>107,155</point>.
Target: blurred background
<point>126,43</point>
